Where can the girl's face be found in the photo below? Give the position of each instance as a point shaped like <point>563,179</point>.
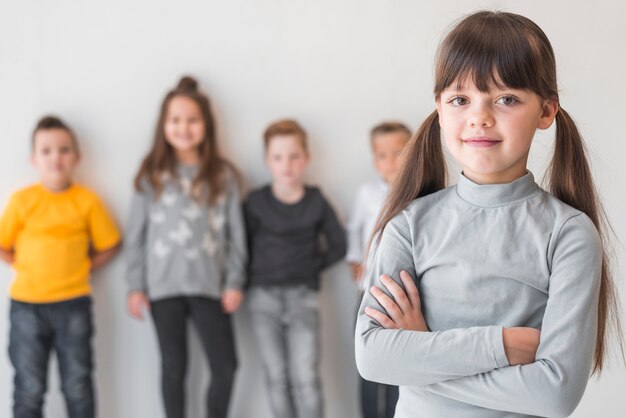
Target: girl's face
<point>490,134</point>
<point>286,160</point>
<point>184,126</point>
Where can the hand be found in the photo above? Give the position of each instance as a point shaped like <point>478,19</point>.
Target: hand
<point>404,311</point>
<point>357,272</point>
<point>100,258</point>
<point>137,302</point>
<point>520,344</point>
<point>231,299</point>
<point>7,256</point>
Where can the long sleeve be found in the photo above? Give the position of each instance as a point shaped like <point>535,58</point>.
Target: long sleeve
<point>412,358</point>
<point>355,229</point>
<point>135,242</point>
<point>554,384</point>
<point>252,225</point>
<point>236,247</point>
<point>335,237</point>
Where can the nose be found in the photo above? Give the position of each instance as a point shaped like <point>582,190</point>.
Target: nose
<point>481,116</point>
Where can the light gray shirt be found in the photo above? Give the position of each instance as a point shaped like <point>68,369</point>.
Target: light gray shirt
<point>369,200</point>
<point>486,257</point>
<point>176,245</point>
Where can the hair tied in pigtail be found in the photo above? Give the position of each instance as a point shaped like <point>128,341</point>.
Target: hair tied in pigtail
<point>187,84</point>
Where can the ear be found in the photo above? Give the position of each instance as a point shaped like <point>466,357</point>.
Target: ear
<point>550,107</point>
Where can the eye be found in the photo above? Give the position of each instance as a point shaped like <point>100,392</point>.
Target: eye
<point>457,101</point>
<point>508,100</point>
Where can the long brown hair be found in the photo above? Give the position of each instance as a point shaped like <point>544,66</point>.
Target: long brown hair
<point>505,49</point>
<point>161,160</point>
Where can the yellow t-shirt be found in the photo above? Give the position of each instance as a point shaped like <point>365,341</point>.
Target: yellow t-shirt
<point>51,234</point>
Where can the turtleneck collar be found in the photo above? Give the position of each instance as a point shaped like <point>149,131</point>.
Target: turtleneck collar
<point>491,195</point>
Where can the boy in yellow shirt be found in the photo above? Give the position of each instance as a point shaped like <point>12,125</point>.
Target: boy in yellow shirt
<point>54,234</point>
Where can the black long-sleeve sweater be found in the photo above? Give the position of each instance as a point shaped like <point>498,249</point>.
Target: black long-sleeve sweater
<point>291,243</point>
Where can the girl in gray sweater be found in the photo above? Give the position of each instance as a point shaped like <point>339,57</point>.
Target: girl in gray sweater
<point>489,298</point>
<point>185,247</point>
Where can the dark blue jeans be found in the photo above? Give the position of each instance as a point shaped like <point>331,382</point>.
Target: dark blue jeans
<point>37,329</point>
<point>378,400</point>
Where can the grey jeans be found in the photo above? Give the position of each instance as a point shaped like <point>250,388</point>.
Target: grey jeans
<point>285,323</point>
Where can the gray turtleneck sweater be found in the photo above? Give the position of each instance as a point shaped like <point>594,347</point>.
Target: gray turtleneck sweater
<point>486,257</point>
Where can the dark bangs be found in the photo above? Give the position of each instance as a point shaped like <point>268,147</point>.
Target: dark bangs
<point>496,49</point>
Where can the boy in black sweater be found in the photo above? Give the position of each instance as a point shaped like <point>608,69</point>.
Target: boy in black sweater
<point>293,234</point>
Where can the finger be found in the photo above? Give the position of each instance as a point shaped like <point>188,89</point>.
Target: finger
<point>411,289</point>
<point>131,308</point>
<point>224,303</point>
<point>397,292</point>
<point>140,312</point>
<point>135,311</point>
<point>387,303</point>
<point>232,304</point>
<point>380,317</point>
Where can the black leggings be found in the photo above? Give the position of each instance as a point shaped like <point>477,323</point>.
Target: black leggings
<point>215,331</point>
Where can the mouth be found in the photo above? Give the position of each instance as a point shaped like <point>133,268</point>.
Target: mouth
<point>481,141</point>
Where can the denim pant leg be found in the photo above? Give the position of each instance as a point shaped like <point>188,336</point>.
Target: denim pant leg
<point>378,400</point>
<point>266,306</point>
<point>301,317</point>
<point>73,330</point>
<point>391,399</point>
<point>215,330</point>
<point>369,398</point>
<point>170,320</point>
<point>30,342</point>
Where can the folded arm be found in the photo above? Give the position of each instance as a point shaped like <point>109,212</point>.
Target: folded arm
<point>554,384</point>
<point>416,358</point>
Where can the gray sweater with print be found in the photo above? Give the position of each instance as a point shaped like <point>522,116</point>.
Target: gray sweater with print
<point>179,246</point>
<point>487,257</point>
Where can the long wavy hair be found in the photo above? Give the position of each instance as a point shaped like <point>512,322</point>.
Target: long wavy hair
<point>161,161</point>
<point>506,49</point>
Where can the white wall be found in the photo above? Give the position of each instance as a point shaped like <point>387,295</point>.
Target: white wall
<point>337,66</point>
